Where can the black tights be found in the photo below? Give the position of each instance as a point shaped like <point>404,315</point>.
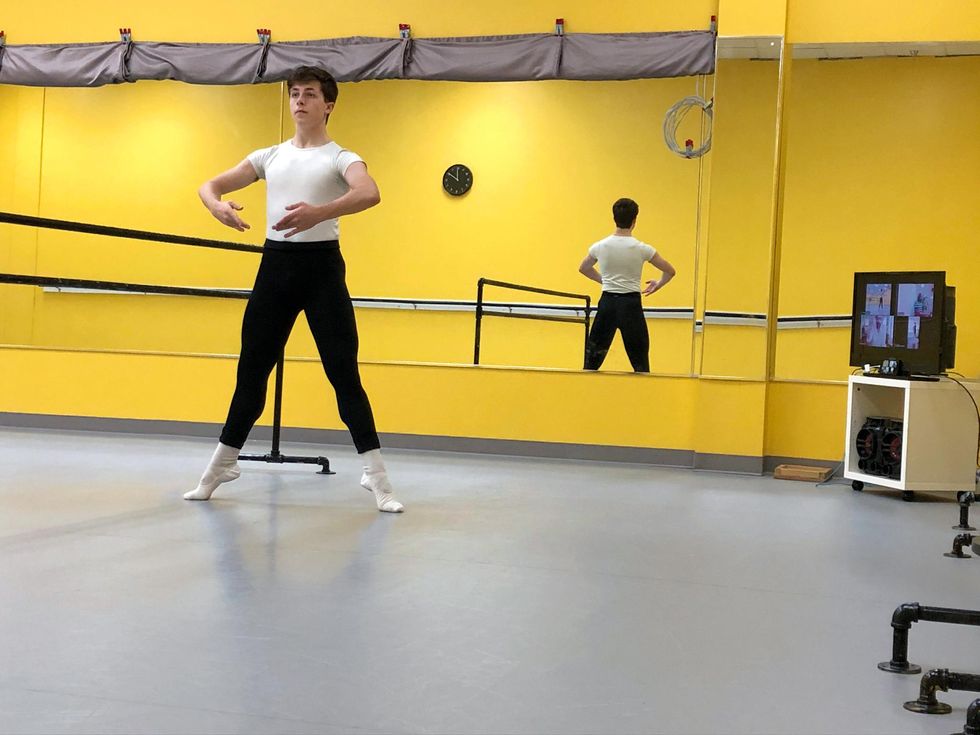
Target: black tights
<point>288,282</point>
<point>622,311</point>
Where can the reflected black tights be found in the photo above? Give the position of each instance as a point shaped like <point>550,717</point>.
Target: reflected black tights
<point>622,311</point>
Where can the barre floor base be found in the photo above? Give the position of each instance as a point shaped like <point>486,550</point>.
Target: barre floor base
<point>515,595</point>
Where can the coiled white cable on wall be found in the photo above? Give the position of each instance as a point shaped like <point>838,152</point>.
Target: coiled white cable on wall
<point>673,119</point>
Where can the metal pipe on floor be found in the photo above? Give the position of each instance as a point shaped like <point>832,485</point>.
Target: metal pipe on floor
<point>913,612</point>
<point>972,726</point>
<point>945,680</point>
<point>965,500</point>
<point>963,539</point>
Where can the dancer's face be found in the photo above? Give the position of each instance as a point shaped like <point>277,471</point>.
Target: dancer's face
<point>307,105</point>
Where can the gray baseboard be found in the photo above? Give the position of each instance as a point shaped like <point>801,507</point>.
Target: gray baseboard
<point>684,458</point>
<point>728,463</point>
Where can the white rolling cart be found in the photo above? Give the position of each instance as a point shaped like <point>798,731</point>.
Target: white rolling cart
<point>939,432</point>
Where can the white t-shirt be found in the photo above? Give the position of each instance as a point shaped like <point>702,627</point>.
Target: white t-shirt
<point>312,175</point>
<point>621,260</point>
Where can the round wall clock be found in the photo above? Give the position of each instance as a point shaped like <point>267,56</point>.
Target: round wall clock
<point>457,180</point>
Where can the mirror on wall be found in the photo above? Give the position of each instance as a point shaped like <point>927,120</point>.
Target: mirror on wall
<point>880,176</point>
<point>547,160</point>
<point>739,208</point>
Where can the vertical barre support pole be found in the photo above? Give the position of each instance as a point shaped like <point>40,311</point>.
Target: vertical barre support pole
<point>479,320</point>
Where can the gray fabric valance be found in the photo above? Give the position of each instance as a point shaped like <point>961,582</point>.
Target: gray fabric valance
<point>485,58</point>
<point>637,55</point>
<point>526,57</point>
<point>195,63</point>
<point>348,59</point>
<point>79,65</point>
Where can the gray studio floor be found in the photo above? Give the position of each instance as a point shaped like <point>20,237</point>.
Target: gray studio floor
<point>513,596</point>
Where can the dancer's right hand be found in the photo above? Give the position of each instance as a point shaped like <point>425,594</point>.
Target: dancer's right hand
<point>227,214</point>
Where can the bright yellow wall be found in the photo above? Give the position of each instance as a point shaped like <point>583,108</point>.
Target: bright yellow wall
<point>841,21</point>
<point>21,113</point>
<point>814,354</point>
<point>549,159</point>
<point>844,21</point>
<point>730,417</point>
<point>133,156</point>
<point>734,350</point>
<point>751,17</point>
<point>486,402</point>
<point>806,421</point>
<point>739,215</point>
<point>881,175</point>
<point>224,21</point>
<point>211,326</point>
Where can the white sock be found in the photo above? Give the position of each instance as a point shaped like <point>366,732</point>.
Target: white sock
<point>372,461</point>
<point>375,480</point>
<point>223,467</point>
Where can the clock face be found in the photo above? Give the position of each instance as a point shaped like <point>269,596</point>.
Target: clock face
<point>457,180</point>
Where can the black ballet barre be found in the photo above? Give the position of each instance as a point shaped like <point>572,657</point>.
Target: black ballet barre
<point>482,311</point>
<point>274,456</point>
<point>52,282</point>
<point>87,228</point>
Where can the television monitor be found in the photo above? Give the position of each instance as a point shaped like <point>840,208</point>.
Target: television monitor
<point>906,316</point>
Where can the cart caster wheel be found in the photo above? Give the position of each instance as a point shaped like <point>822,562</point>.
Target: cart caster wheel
<point>908,496</point>
<point>857,486</point>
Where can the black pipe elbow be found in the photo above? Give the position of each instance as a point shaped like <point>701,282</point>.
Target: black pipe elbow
<point>905,615</point>
<point>927,703</point>
<point>933,680</point>
<point>961,540</point>
<point>972,726</point>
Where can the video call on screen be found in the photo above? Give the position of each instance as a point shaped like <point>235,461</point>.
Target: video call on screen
<point>885,326</point>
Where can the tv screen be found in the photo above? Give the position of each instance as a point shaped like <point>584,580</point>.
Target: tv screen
<point>900,315</point>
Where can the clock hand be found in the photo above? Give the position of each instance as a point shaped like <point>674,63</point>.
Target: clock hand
<point>453,175</point>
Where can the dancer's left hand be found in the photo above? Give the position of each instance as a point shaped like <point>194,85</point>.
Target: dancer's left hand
<point>301,217</point>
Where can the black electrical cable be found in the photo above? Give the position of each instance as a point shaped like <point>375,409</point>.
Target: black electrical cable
<point>833,475</point>
<point>975,408</point>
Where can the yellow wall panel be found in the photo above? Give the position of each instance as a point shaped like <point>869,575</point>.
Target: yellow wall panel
<point>806,421</point>
<point>493,403</point>
<point>742,180</point>
<point>734,350</point>
<point>751,17</point>
<point>21,116</point>
<point>730,418</point>
<point>842,21</point>
<point>881,175</point>
<point>223,21</point>
<point>813,354</point>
